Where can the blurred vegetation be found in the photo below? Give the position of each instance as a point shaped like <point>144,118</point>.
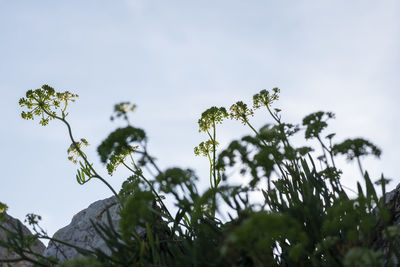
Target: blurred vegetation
<point>305,217</point>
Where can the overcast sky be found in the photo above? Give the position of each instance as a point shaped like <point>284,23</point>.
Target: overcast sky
<point>175,59</point>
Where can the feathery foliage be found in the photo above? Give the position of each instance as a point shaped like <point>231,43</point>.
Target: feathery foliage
<point>304,218</point>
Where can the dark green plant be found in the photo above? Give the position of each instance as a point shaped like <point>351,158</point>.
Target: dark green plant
<point>305,217</point>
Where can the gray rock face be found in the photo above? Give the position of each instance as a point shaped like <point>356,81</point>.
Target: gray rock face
<point>10,223</point>
<point>80,231</point>
<point>392,201</point>
<point>392,198</point>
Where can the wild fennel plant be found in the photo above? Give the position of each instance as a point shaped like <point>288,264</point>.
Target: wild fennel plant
<point>306,217</point>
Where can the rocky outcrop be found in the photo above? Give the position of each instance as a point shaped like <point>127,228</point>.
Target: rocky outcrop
<point>11,224</point>
<point>392,201</point>
<point>81,233</point>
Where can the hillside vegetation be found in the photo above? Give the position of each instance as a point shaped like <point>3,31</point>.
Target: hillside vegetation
<point>305,218</point>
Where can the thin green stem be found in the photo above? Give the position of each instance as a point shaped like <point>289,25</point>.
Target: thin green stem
<point>285,140</point>
<point>151,161</point>
<point>211,169</point>
<point>265,144</point>
<point>214,151</point>
<point>328,150</point>
<point>147,168</point>
<point>272,115</point>
<point>96,175</point>
<point>331,153</point>
<point>67,244</point>
<point>149,184</point>
<point>323,150</point>
<point>360,167</point>
<point>256,132</point>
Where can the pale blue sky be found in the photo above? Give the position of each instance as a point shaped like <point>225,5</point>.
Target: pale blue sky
<point>174,59</point>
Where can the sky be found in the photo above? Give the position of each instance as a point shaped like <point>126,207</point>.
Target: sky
<point>175,59</point>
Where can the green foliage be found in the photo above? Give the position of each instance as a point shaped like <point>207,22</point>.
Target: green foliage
<point>75,148</point>
<point>304,218</point>
<point>3,207</point>
<point>137,212</point>
<point>363,257</point>
<point>205,148</point>
<point>122,109</point>
<point>82,262</point>
<point>118,145</point>
<point>355,148</point>
<point>315,123</point>
<point>261,232</point>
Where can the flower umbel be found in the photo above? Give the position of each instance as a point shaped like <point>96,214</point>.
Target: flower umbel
<point>210,117</point>
<point>240,111</point>
<point>44,102</point>
<point>265,98</point>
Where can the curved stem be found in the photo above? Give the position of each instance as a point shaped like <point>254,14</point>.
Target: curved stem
<point>67,244</point>
<point>327,149</point>
<point>256,132</point>
<point>146,154</point>
<point>265,144</point>
<point>323,150</point>
<point>152,161</point>
<point>285,140</point>
<point>272,115</point>
<point>330,153</point>
<point>359,166</point>
<point>96,175</point>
